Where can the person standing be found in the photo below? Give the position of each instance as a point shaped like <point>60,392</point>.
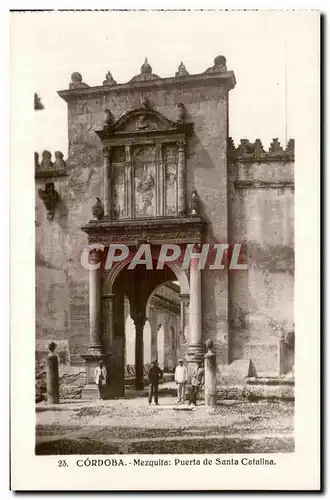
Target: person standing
<point>181,380</point>
<point>100,377</point>
<point>155,374</point>
<point>197,380</point>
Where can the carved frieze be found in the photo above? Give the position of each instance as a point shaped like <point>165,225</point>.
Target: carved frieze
<point>186,230</point>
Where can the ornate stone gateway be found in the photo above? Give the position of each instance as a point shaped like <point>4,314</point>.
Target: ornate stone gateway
<point>144,201</point>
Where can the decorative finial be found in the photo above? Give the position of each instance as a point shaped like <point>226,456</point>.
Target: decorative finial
<point>146,73</point>
<point>219,65</point>
<point>98,210</point>
<point>146,68</point>
<point>77,81</point>
<point>109,80</point>
<point>182,70</point>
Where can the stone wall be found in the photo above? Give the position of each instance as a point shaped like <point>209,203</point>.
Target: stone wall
<point>247,199</point>
<point>205,98</point>
<point>261,217</point>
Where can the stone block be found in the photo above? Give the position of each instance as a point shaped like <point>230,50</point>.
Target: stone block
<point>237,371</point>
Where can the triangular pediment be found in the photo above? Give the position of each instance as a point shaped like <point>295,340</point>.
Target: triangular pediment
<point>140,120</point>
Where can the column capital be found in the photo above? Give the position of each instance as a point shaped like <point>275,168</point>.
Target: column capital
<point>108,296</point>
<point>139,319</point>
<point>128,152</point>
<point>95,256</point>
<point>181,144</point>
<point>106,151</point>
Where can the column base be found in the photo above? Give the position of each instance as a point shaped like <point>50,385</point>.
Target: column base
<point>90,391</point>
<point>92,359</point>
<point>210,399</point>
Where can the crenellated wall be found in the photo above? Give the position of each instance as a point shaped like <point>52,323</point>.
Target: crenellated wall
<point>261,217</point>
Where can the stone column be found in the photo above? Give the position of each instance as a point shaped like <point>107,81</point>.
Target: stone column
<point>195,350</point>
<point>210,368</point>
<point>129,202</point>
<point>184,317</point>
<point>107,183</point>
<point>95,303</point>
<point>52,376</point>
<point>139,321</point>
<point>95,350</point>
<point>181,179</point>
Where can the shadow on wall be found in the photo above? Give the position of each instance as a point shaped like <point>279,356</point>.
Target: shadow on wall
<point>199,157</point>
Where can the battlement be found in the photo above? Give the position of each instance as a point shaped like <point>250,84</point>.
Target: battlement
<point>247,151</point>
<point>46,167</point>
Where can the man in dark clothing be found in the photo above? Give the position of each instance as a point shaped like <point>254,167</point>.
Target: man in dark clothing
<point>197,381</point>
<point>154,375</point>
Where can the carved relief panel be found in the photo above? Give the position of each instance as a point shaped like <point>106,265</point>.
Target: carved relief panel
<point>144,187</point>
<point>145,171</point>
<point>170,156</point>
<point>144,181</point>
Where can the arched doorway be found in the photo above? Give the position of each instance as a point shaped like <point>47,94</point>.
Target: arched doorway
<point>137,285</point>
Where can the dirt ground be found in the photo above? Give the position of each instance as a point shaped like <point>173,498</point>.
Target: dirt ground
<point>132,426</point>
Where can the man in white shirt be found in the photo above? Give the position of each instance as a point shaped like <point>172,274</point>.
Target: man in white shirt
<point>100,377</point>
<point>181,380</point>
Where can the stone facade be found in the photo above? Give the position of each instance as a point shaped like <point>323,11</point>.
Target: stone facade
<point>142,148</point>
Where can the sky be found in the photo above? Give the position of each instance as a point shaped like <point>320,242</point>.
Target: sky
<point>271,52</point>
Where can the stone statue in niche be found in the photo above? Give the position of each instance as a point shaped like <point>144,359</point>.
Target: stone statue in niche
<point>181,113</point>
<point>145,103</point>
<point>194,206</point>
<point>145,188</point>
<point>171,183</point>
<point>108,118</point>
<point>98,210</point>
<point>50,197</point>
